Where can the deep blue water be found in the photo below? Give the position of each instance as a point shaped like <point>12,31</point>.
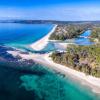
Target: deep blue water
<point>21,35</point>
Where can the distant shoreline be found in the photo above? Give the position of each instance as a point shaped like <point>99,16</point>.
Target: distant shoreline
<point>40,21</point>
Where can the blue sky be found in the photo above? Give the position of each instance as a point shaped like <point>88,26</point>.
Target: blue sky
<point>69,10</point>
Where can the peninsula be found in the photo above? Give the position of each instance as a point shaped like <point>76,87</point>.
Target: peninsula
<point>81,62</point>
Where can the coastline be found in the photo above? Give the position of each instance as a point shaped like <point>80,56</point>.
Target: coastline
<point>40,44</point>
<point>44,59</point>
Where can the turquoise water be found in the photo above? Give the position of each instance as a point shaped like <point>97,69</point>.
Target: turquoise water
<point>38,82</point>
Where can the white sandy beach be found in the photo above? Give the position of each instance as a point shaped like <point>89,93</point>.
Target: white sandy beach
<point>44,59</point>
<point>40,44</point>
<point>62,46</point>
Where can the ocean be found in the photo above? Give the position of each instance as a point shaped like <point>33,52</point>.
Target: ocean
<point>36,82</point>
<point>21,35</point>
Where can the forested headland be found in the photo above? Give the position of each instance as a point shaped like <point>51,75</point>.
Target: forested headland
<point>84,58</point>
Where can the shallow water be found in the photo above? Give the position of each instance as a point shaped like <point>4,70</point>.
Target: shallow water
<point>40,83</point>
<point>82,40</point>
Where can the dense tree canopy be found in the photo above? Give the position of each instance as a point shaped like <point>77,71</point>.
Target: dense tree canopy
<point>82,58</point>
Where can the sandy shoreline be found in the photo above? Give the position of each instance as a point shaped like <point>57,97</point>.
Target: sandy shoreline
<point>44,59</point>
<point>40,44</point>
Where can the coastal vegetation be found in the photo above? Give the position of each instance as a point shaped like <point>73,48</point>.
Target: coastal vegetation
<point>95,34</point>
<point>81,58</point>
<point>84,58</point>
<point>24,63</point>
<point>68,31</point>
